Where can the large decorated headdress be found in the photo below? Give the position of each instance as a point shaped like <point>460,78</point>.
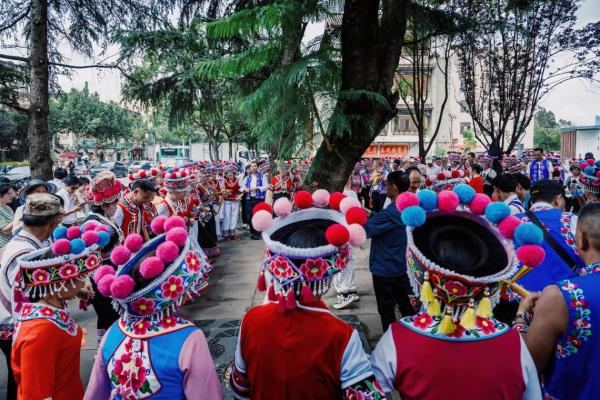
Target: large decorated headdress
<point>176,180</point>
<point>528,155</point>
<point>154,279</point>
<point>72,256</point>
<point>445,180</point>
<point>150,174</point>
<point>105,188</point>
<point>485,158</point>
<point>455,289</point>
<point>301,273</point>
<point>454,156</point>
<point>590,175</point>
<point>512,163</point>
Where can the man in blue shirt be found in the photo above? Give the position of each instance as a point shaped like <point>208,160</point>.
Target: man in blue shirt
<point>387,260</point>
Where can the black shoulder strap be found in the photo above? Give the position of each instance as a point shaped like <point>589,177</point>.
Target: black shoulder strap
<point>558,249</point>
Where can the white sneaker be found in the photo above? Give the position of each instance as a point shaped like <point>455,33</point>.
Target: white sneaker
<point>343,301</point>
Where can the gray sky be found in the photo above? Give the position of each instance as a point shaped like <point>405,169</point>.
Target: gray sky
<point>577,100</point>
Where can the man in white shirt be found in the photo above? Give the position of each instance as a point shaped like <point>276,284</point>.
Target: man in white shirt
<point>59,175</point>
<point>72,206</point>
<point>505,186</point>
<point>255,186</point>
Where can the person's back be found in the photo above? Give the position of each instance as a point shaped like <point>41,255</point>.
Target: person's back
<point>388,244</point>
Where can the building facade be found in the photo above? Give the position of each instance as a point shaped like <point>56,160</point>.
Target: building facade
<point>575,141</point>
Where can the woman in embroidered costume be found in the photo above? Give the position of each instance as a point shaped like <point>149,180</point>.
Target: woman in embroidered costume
<point>207,228</point>
<point>231,207</point>
<point>103,196</point>
<point>47,341</point>
<point>151,351</point>
<point>282,184</point>
<point>458,256</point>
<point>562,333</point>
<point>293,347</point>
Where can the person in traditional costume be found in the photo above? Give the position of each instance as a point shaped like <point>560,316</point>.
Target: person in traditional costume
<point>365,193</point>
<point>505,186</point>
<point>207,228</point>
<point>254,185</point>
<point>540,167</point>
<point>104,196</point>
<point>445,180</point>
<point>293,347</point>
<point>47,341</point>
<point>356,181</point>
<point>41,213</point>
<point>151,351</point>
<point>561,332</point>
<point>231,205</point>
<point>488,173</point>
<point>282,184</point>
<point>454,159</point>
<point>574,189</point>
<point>590,173</point>
<point>459,254</point>
<point>132,212</point>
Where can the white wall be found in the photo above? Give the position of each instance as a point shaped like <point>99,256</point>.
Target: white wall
<point>588,140</point>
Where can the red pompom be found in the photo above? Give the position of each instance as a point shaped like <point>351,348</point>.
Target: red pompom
<point>73,232</point>
<point>134,242</point>
<point>479,203</point>
<point>303,199</point>
<point>178,236</point>
<point>262,206</point>
<point>90,238</point>
<point>158,224</point>
<point>508,225</point>
<point>406,199</point>
<point>151,267</point>
<point>122,286</point>
<point>154,172</point>
<point>356,215</point>
<point>428,182</point>
<point>337,235</point>
<point>531,255</point>
<point>456,174</point>
<point>262,283</point>
<point>120,255</point>
<point>61,247</point>
<point>448,201</point>
<point>335,199</point>
<point>174,222</point>
<point>142,174</point>
<point>591,161</point>
<point>441,176</point>
<point>167,252</point>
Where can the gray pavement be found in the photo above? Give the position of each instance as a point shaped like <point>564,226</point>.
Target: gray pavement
<point>232,292</point>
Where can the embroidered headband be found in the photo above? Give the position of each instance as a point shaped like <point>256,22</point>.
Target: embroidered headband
<point>105,188</point>
<point>176,180</point>
<point>445,180</point>
<point>590,175</point>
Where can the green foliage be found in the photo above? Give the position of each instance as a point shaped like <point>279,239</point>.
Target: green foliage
<point>13,130</point>
<point>546,131</point>
<point>469,139</point>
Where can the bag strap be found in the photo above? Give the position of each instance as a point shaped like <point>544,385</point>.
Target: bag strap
<point>558,249</point>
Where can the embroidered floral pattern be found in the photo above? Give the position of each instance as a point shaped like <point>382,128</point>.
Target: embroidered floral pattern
<point>60,318</point>
<point>343,258</point>
<point>581,315</point>
<point>565,230</point>
<point>422,321</point>
<point>589,269</point>
<point>192,261</point>
<point>68,271</point>
<point>314,269</point>
<point>450,289</point>
<point>143,306</point>
<point>281,268</point>
<point>485,328</point>
<point>367,389</point>
<point>173,287</point>
<point>40,276</point>
<point>60,272</point>
<point>91,262</point>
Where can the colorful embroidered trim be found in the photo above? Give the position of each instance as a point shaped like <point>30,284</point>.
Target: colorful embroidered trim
<point>590,269</point>
<point>60,318</point>
<point>367,389</point>
<point>140,328</point>
<point>581,317</point>
<point>485,328</point>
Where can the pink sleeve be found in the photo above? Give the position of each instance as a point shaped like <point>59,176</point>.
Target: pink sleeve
<point>99,386</point>
<point>199,369</point>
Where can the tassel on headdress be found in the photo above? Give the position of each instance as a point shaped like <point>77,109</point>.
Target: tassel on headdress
<point>262,282</point>
<point>484,308</point>
<point>467,320</point>
<point>290,300</point>
<point>426,291</point>
<point>271,293</point>
<point>433,308</point>
<point>281,303</point>
<point>447,324</point>
<point>306,294</point>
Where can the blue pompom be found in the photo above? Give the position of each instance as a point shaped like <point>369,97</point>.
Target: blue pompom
<point>598,164</point>
<point>465,193</point>
<point>77,246</point>
<point>590,170</point>
<point>427,199</point>
<point>413,216</point>
<point>103,238</point>
<point>528,234</point>
<point>496,212</point>
<point>59,233</point>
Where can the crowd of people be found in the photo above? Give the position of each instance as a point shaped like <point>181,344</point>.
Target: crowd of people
<point>490,263</point>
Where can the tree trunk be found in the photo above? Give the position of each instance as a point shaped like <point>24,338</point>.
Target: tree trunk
<point>39,140</point>
<point>371,46</point>
<point>231,148</point>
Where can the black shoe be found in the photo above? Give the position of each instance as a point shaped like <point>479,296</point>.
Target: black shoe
<point>255,237</point>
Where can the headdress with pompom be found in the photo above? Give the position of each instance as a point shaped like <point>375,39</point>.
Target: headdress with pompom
<point>149,174</point>
<point>174,272</point>
<point>445,180</point>
<point>305,272</point>
<point>105,188</point>
<point>452,297</point>
<point>176,180</point>
<point>454,156</point>
<point>590,175</point>
<point>73,255</point>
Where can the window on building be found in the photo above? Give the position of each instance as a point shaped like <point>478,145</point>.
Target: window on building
<point>465,126</point>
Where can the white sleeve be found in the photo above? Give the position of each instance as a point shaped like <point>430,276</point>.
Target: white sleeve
<point>355,362</point>
<point>530,375</point>
<point>383,360</point>
<point>118,217</point>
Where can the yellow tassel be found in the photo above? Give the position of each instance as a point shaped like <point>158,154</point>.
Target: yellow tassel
<point>467,320</point>
<point>433,308</point>
<point>447,325</point>
<point>426,291</point>
<point>484,308</point>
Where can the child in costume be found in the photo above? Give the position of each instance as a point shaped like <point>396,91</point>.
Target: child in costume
<point>293,347</point>
<point>47,341</point>
<point>231,205</point>
<point>459,254</point>
<point>151,351</point>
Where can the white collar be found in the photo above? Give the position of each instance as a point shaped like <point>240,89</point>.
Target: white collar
<point>24,233</point>
<point>541,205</point>
<point>511,198</point>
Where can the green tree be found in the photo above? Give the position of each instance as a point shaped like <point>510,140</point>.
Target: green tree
<point>546,131</point>
<point>13,134</point>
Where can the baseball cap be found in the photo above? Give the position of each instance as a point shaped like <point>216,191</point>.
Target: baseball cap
<point>546,186</point>
<point>42,204</point>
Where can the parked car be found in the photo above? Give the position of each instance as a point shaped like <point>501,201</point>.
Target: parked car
<point>137,165</point>
<point>115,167</point>
<point>19,176</point>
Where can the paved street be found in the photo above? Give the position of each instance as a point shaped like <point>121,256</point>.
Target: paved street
<point>233,291</point>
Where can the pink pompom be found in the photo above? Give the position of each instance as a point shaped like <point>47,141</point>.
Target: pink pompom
<point>158,224</point>
<point>348,203</point>
<point>151,267</point>
<point>102,228</point>
<point>61,246</point>
<point>591,161</point>
<point>174,222</point>
<point>122,286</point>
<point>320,198</point>
<point>120,255</point>
<point>303,199</point>
<point>134,242</point>
<point>597,174</point>
<point>102,271</point>
<point>357,234</point>
<point>282,207</point>
<point>448,201</point>
<point>90,226</point>
<point>508,225</point>
<point>447,174</point>
<point>167,252</point>
<point>337,235</point>
<point>262,220</point>
<point>479,203</point>
<point>461,173</point>
<point>103,284</point>
<point>406,199</point>
<point>531,255</point>
<point>178,236</point>
<point>73,233</point>
<point>90,238</point>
